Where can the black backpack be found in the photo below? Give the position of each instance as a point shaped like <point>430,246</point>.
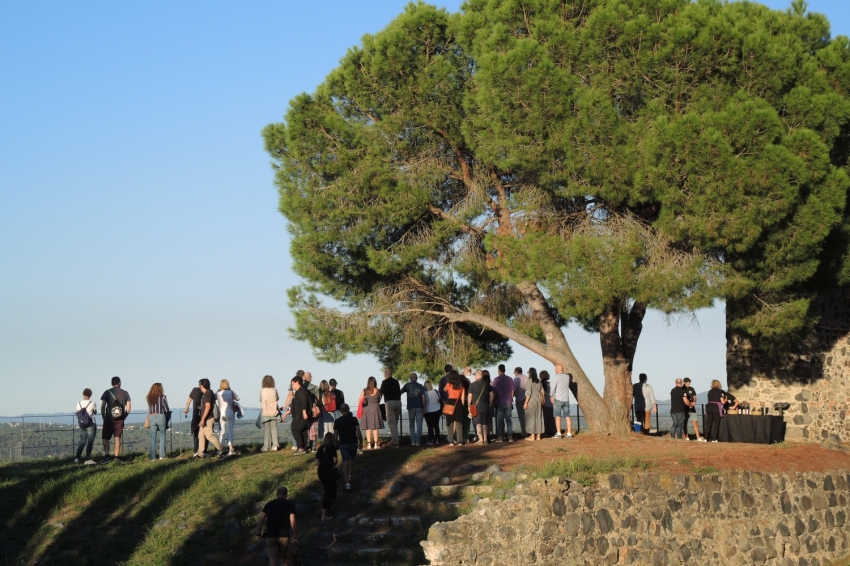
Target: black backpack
<point>83,417</point>
<point>116,408</point>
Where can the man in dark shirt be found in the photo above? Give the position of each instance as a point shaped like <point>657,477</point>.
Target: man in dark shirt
<point>113,400</point>
<point>692,411</point>
<point>349,439</point>
<point>206,434</point>
<point>415,407</point>
<point>194,400</point>
<point>340,398</point>
<point>441,387</point>
<point>299,406</point>
<point>678,409</point>
<point>391,392</point>
<point>281,531</point>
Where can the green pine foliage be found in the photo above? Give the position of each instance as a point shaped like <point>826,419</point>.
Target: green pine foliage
<point>465,179</point>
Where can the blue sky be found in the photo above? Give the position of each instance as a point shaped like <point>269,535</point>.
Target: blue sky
<point>139,232</point>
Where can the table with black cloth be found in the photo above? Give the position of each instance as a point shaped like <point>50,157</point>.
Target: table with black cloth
<point>755,429</point>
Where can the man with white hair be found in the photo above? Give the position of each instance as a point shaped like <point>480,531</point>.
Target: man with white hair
<point>415,405</point>
<point>560,396</point>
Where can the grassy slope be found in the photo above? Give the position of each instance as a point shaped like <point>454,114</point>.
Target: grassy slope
<point>108,513</point>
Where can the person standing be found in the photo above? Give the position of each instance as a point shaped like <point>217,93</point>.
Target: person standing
<point>548,409</point>
<point>313,393</point>
<point>372,420</point>
<point>114,406</point>
<point>281,530</point>
<point>441,387</point>
<point>415,406</point>
<point>455,392</point>
<point>433,407</point>
<point>88,434</point>
<point>207,422</point>
<point>504,387</point>
<point>299,407</point>
<point>226,398</point>
<point>678,408</point>
<point>520,382</point>
<point>467,419</point>
<point>645,393</point>
<point>391,392</point>
<point>714,410</point>
<point>561,400</point>
<point>269,411</point>
<point>349,439</point>
<point>480,396</point>
<point>327,408</point>
<point>326,458</point>
<point>157,410</point>
<point>340,398</point>
<point>692,410</point>
<point>194,426</point>
<point>533,405</point>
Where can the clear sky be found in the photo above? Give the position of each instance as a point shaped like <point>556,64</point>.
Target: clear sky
<point>139,232</point>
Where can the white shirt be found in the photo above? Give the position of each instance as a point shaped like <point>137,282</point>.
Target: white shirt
<point>432,401</point>
<point>90,407</point>
<point>226,397</point>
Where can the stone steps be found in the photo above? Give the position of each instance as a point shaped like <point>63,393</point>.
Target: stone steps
<point>409,522</point>
<point>358,554</point>
<point>460,490</point>
<point>372,538</point>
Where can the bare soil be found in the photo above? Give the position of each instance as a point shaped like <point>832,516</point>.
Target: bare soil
<point>427,465</point>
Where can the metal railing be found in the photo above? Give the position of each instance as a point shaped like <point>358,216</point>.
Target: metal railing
<point>58,435</point>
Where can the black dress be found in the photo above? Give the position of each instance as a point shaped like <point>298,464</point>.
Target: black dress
<point>713,413</point>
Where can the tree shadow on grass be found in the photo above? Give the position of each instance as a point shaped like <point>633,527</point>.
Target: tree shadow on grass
<point>18,520</point>
<point>105,519</point>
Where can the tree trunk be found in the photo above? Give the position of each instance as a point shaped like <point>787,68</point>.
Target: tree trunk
<point>593,406</point>
<point>618,382</point>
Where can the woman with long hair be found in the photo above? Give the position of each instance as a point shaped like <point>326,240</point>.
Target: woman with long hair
<point>326,457</point>
<point>714,410</point>
<point>327,407</point>
<point>269,410</point>
<point>480,396</point>
<point>225,398</point>
<point>372,421</point>
<point>548,409</point>
<point>534,398</point>
<point>157,408</point>
<point>432,413</point>
<point>455,389</point>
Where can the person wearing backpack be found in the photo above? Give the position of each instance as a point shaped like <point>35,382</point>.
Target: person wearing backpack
<point>157,419</point>
<point>327,407</point>
<point>85,411</point>
<point>114,406</point>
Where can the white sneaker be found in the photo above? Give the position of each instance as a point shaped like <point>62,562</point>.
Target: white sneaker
<point>569,435</point>
<point>294,448</point>
<point>558,435</point>
<point>90,463</point>
<point>701,439</point>
<point>76,460</point>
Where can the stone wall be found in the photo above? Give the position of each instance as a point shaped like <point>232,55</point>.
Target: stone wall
<point>661,519</point>
<point>814,380</point>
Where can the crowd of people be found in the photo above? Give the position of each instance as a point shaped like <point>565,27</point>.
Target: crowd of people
<point>683,402</point>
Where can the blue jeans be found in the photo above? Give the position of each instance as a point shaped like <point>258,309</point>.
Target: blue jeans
<point>678,424</point>
<point>157,424</point>
<point>87,436</point>
<point>503,414</point>
<point>415,416</point>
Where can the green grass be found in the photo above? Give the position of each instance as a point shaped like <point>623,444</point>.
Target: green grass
<point>584,469</point>
<point>705,470</point>
<point>116,507</point>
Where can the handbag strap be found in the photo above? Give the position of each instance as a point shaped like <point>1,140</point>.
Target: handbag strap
<point>481,393</point>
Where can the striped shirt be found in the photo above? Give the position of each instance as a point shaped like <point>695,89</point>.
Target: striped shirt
<point>160,406</point>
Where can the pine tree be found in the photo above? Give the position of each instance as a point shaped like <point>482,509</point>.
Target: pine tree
<point>465,180</point>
